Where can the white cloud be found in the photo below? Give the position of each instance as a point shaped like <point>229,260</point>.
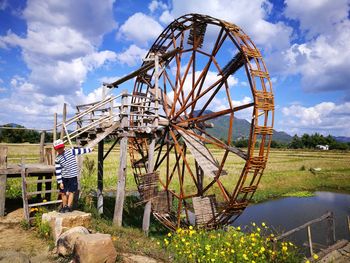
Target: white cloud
<point>132,56</point>
<point>166,17</point>
<point>154,5</point>
<point>323,63</point>
<point>249,15</point>
<point>140,29</point>
<point>325,118</point>
<point>60,48</point>
<point>317,16</point>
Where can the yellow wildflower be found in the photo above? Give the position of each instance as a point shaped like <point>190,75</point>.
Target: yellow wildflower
<point>245,256</point>
<point>315,256</point>
<point>238,228</point>
<point>191,227</point>
<point>263,224</point>
<point>169,234</point>
<point>262,249</point>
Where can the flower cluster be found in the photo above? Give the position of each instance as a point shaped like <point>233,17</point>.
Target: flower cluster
<point>231,245</point>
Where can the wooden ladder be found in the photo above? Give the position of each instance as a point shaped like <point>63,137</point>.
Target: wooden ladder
<point>49,180</point>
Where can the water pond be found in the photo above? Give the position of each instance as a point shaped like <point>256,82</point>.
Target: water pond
<point>287,213</point>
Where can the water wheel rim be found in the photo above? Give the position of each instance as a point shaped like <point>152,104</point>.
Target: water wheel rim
<point>179,109</point>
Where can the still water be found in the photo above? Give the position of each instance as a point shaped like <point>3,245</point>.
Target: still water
<point>287,213</point>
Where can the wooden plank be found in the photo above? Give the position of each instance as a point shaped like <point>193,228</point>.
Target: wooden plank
<point>45,203</point>
<point>101,136</point>
<point>42,192</point>
<point>3,179</point>
<point>201,154</point>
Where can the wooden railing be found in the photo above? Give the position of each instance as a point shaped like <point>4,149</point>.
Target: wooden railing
<point>330,231</point>
<point>140,110</point>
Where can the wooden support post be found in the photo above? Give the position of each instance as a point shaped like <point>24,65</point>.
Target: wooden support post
<point>64,117</point>
<point>100,178</point>
<point>24,191</point>
<point>42,146</point>
<point>54,131</point>
<point>310,240</point>
<point>3,179</point>
<point>148,207</point>
<point>348,219</point>
<point>120,195</point>
<point>330,230</point>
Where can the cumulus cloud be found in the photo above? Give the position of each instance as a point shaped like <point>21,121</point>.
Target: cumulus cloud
<point>154,5</point>
<point>140,29</point>
<point>132,56</point>
<point>60,48</point>
<point>317,17</point>
<point>249,15</point>
<point>325,118</point>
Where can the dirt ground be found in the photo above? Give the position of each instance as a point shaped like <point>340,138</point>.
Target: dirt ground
<point>14,238</point>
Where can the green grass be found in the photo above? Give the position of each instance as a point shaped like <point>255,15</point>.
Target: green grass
<point>287,174</point>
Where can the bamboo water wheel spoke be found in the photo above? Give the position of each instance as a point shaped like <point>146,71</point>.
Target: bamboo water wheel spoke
<point>203,179</point>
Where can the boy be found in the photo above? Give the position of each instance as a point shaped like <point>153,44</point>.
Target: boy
<point>67,173</point>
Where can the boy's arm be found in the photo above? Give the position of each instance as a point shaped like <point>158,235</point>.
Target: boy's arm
<point>58,169</point>
<point>80,151</point>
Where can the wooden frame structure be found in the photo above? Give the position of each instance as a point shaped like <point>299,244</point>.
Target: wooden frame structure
<point>187,83</point>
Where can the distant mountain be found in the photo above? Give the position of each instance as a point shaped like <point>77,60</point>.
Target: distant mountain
<point>341,138</point>
<point>241,129</point>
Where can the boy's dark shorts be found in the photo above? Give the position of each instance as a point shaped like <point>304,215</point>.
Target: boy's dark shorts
<point>69,185</point>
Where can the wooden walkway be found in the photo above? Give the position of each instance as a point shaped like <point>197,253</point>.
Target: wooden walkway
<point>339,253</point>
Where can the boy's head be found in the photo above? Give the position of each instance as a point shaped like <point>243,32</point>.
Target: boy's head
<point>58,145</point>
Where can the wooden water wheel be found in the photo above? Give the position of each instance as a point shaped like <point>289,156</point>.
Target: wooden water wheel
<point>201,178</point>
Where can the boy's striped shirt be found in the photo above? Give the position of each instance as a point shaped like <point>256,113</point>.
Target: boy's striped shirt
<point>66,165</point>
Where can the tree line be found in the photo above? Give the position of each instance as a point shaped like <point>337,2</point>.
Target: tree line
<point>19,134</point>
<point>306,141</point>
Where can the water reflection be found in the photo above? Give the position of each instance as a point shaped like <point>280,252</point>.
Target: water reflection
<point>288,213</point>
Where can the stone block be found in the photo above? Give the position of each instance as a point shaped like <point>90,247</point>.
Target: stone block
<point>95,248</point>
<point>61,222</point>
<point>66,241</point>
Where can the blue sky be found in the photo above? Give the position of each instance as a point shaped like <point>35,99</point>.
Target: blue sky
<point>61,51</point>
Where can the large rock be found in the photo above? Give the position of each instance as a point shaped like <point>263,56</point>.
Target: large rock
<point>66,241</point>
<point>95,248</point>
<point>61,222</point>
<point>13,257</point>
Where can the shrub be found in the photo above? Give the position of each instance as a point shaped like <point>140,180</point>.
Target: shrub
<point>231,245</point>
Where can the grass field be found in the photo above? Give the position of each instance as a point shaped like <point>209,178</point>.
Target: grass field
<point>287,171</point>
